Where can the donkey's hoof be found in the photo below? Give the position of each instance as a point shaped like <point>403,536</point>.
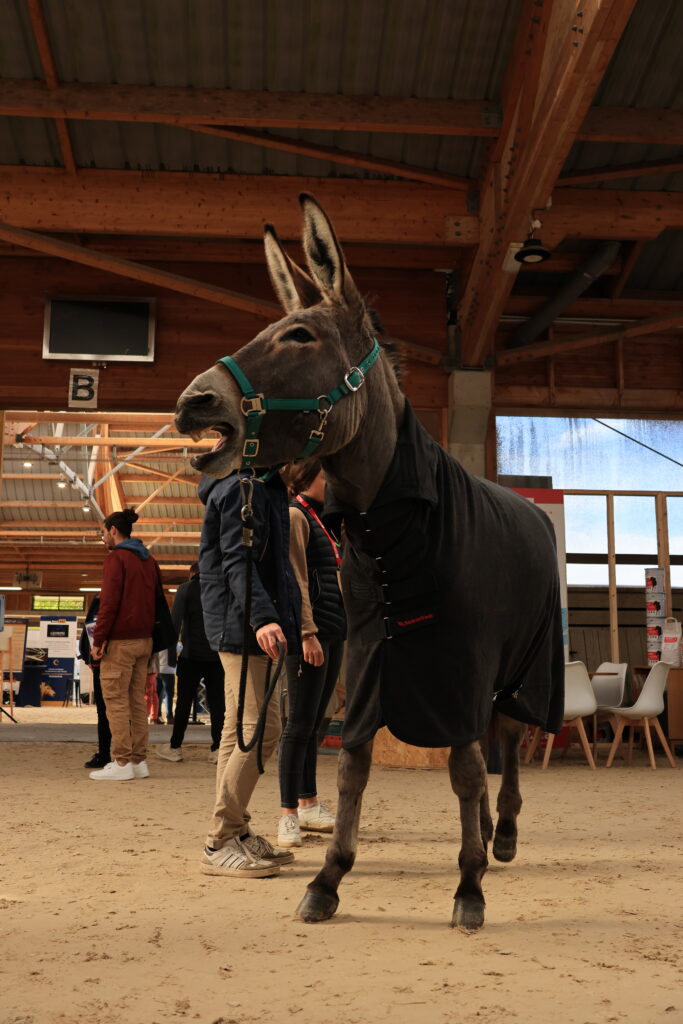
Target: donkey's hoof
<point>317,906</point>
<point>505,848</point>
<point>467,913</point>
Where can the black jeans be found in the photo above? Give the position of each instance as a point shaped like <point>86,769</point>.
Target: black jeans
<point>309,694</point>
<point>103,730</point>
<point>189,675</point>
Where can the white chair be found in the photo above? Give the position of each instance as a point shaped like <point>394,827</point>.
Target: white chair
<point>579,701</point>
<point>608,682</point>
<point>643,713</point>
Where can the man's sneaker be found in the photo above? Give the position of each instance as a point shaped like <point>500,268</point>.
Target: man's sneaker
<point>114,772</point>
<point>169,753</point>
<point>96,761</point>
<point>288,832</point>
<point>213,757</point>
<point>316,818</point>
<point>236,861</point>
<point>260,848</point>
<point>141,771</point>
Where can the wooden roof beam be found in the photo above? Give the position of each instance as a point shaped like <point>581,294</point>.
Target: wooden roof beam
<point>335,155</point>
<point>36,13</point>
<point>539,349</point>
<point>577,47</point>
<point>137,271</point>
<point>638,170</point>
<point>153,104</point>
<point>250,109</point>
<point>230,206</point>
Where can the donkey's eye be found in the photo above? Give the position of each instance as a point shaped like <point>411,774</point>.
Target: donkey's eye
<point>299,334</point>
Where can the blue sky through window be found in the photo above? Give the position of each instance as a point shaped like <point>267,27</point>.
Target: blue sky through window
<point>582,453</point>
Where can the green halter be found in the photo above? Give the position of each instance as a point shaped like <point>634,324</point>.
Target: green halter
<point>255,405</point>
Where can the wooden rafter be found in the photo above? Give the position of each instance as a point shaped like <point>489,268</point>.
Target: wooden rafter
<point>154,104</point>
<point>627,269</point>
<point>150,497</point>
<point>638,170</point>
<point>137,271</point>
<point>234,206</point>
<point>155,444</point>
<point>335,155</point>
<point>539,349</point>
<point>329,112</point>
<point>577,47</point>
<point>37,15</point>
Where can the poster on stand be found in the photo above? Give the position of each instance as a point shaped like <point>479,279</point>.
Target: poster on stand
<point>14,635</point>
<point>59,638</point>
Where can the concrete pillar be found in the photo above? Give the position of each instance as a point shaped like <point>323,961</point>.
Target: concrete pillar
<point>469,418</point>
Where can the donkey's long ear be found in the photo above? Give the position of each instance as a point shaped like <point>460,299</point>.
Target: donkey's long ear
<point>293,287</point>
<point>324,256</point>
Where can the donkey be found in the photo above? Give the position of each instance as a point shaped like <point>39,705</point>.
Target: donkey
<point>450,582</point>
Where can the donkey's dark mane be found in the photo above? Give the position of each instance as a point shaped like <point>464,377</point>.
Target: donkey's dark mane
<point>392,351</point>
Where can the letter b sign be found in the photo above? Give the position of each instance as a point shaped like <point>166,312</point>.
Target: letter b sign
<point>83,389</point>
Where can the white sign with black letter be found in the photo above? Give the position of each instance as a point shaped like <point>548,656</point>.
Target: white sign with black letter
<point>83,389</point>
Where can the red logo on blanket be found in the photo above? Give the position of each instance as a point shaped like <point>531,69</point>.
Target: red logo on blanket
<point>404,623</point>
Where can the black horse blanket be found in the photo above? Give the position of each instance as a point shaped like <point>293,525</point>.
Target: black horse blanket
<point>452,594</point>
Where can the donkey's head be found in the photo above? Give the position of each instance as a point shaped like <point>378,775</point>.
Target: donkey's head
<point>325,334</point>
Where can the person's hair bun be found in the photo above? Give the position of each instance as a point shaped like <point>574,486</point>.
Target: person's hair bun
<point>130,514</point>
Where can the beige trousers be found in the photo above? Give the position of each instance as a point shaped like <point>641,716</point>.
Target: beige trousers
<point>237,773</point>
<point>123,676</point>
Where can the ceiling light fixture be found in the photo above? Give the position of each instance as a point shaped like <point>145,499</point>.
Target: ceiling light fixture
<point>89,590</point>
<point>86,508</point>
<point>532,251</point>
<point>27,465</point>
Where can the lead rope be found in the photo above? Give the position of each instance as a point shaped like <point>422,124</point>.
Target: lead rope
<point>247,516</point>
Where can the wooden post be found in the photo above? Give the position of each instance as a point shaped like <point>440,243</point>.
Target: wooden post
<point>663,556</point>
<point>612,566</point>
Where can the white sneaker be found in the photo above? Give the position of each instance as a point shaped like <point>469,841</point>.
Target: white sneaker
<point>114,772</point>
<point>316,818</point>
<point>236,861</point>
<point>140,770</point>
<point>288,832</point>
<point>169,753</point>
<point>260,848</point>
<point>213,757</point>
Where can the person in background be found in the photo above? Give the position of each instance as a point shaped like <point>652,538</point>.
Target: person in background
<point>151,695</point>
<point>197,662</point>
<point>311,677</point>
<point>232,849</point>
<point>102,755</point>
<point>122,643</point>
<point>166,679</point>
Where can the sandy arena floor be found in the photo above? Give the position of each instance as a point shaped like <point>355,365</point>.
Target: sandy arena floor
<point>106,918</point>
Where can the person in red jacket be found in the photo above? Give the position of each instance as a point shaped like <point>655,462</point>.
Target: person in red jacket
<point>123,644</point>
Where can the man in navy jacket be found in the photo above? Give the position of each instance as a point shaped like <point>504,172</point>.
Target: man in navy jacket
<point>231,847</point>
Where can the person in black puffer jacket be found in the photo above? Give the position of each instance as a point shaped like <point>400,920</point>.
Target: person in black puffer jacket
<point>311,678</point>
<point>231,848</point>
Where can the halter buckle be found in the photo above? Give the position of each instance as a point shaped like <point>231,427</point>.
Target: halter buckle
<point>251,447</point>
<point>253,406</point>
<point>361,382</point>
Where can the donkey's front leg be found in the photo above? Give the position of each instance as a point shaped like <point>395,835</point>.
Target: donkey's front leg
<point>509,798</point>
<point>321,900</point>
<point>468,779</point>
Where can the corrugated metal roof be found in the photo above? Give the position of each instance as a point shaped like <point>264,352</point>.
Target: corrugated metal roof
<point>425,48</point>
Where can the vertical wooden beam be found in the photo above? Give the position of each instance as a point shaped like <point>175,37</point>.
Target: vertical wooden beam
<point>2,445</point>
<point>663,554</point>
<point>37,15</point>
<point>612,568</point>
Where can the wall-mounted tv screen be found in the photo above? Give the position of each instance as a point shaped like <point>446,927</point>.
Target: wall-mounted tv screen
<point>99,329</point>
